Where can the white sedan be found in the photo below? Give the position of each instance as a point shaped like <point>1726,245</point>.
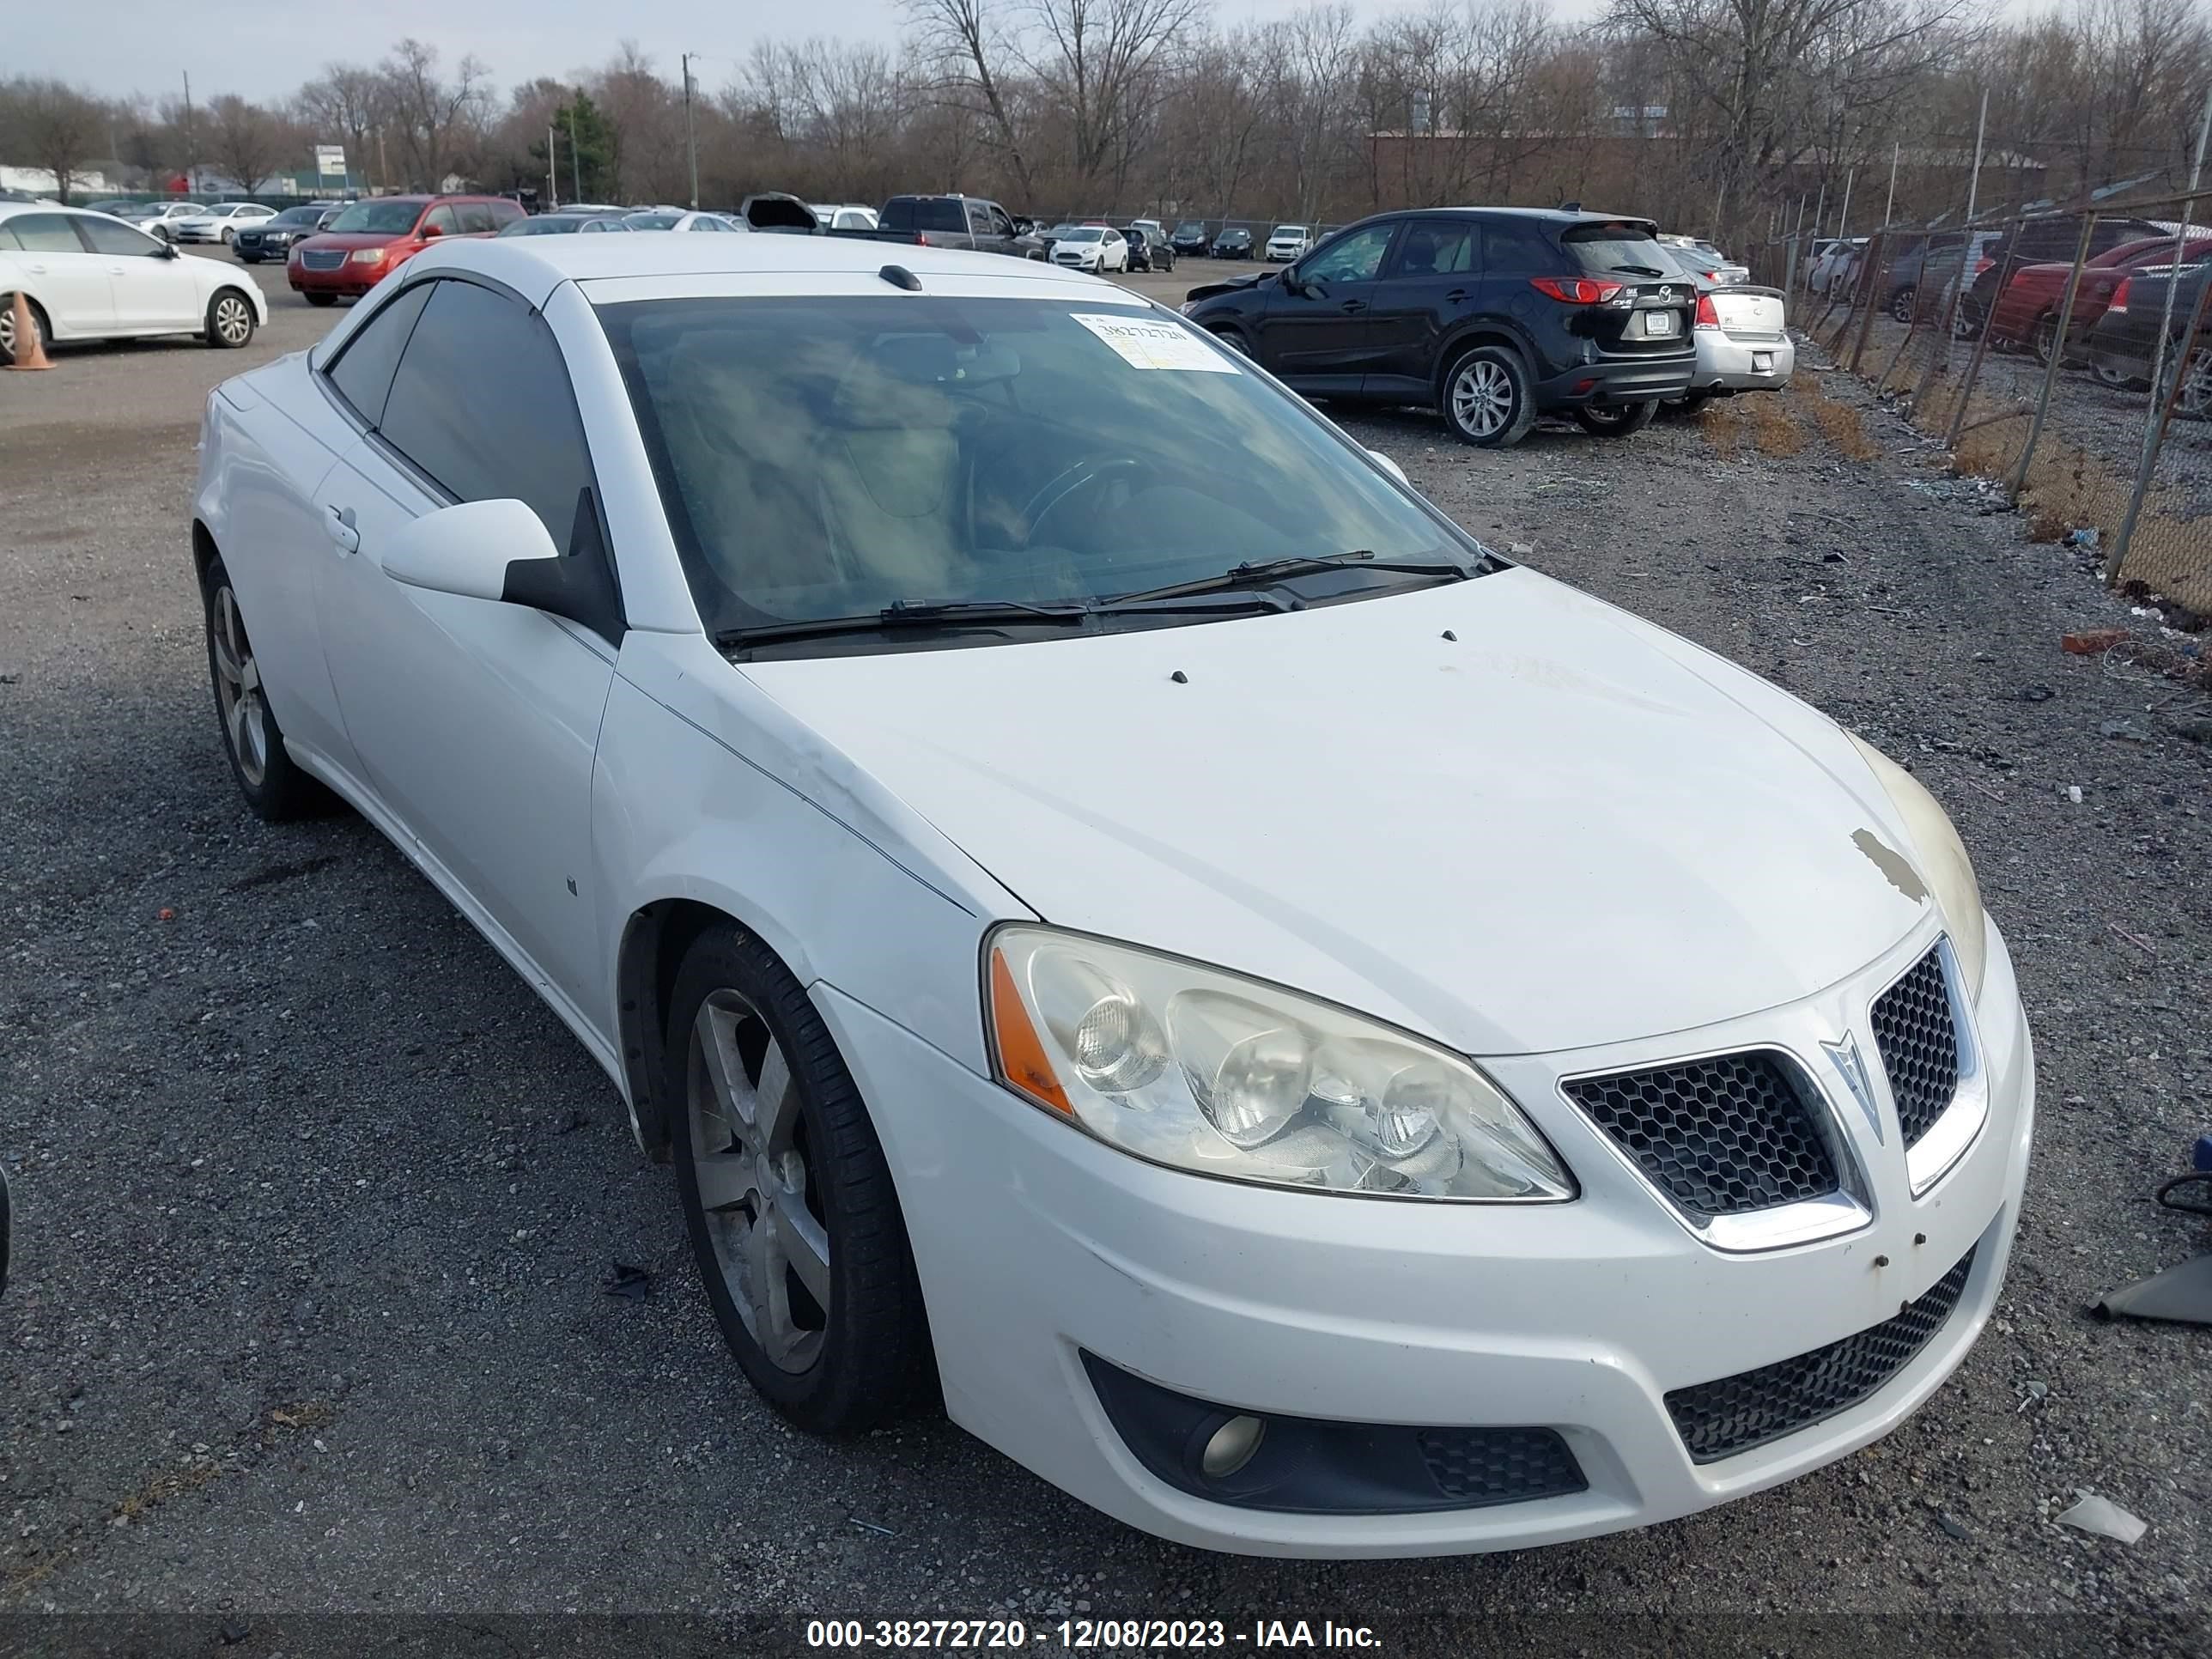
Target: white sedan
<point>88,277</point>
<point>1317,1040</point>
<point>219,223</point>
<point>1091,247</point>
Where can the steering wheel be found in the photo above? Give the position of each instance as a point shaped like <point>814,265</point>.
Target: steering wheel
<point>1083,475</point>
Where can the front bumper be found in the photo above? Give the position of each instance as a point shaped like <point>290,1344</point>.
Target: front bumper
<point>1036,1244</point>
<point>1727,363</point>
<point>348,278</point>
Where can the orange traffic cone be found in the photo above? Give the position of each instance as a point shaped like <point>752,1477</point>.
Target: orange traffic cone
<point>29,353</point>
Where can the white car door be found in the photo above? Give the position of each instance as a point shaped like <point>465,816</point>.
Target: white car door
<point>474,721</point>
<point>154,290</point>
<point>71,281</point>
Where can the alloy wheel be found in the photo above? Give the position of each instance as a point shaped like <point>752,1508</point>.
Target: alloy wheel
<point>233,321</point>
<point>2046,337</point>
<point>755,1190</point>
<point>2194,402</point>
<point>238,696</point>
<point>1482,397</point>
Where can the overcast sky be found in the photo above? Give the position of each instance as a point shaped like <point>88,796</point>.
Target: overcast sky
<point>267,47</point>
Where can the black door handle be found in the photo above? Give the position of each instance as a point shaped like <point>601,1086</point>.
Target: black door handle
<point>1355,305</point>
<point>1454,297</point>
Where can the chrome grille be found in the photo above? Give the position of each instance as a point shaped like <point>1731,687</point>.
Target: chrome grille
<point>1919,1046</point>
<point>322,259</point>
<point>1719,1136</point>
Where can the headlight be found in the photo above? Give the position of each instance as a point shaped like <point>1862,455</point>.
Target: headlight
<point>1940,858</point>
<point>368,255</point>
<point>1205,1071</point>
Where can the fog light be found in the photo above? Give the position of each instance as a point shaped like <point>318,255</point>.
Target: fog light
<point>1231,1446</point>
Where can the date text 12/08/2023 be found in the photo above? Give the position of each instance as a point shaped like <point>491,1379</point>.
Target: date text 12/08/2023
<point>1078,1635</point>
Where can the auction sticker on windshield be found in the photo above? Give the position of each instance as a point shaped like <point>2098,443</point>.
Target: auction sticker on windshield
<point>1148,342</point>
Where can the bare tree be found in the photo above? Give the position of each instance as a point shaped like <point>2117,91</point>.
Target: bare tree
<point>246,141</point>
<point>969,48</point>
<point>57,127</point>
<point>343,106</point>
<point>1091,58</point>
<point>438,123</point>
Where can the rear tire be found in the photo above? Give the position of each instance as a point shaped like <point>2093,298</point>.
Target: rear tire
<point>1234,339</point>
<point>315,298</point>
<point>1487,401</point>
<point>1901,303</point>
<point>1616,420</point>
<point>2042,337</point>
<point>783,1181</point>
<point>39,326</point>
<point>2194,401</point>
<point>275,787</point>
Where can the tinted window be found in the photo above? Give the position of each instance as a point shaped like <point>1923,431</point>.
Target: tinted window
<point>897,213</point>
<point>300,216</point>
<point>475,217</point>
<point>45,232</point>
<point>482,403</point>
<point>362,373</point>
<point>979,219</point>
<point>1354,257</point>
<point>1514,247</point>
<point>442,219</point>
<point>391,216</point>
<point>1000,223</point>
<point>1435,248</point>
<point>937,214</point>
<point>1616,250</point>
<point>108,237</point>
<point>504,212</point>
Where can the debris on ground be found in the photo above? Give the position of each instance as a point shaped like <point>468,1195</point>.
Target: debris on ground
<point>2093,641</point>
<point>2085,537</point>
<point>1953,1527</point>
<point>2103,1517</point>
<point>2128,729</point>
<point>632,1284</point>
<point>2073,793</point>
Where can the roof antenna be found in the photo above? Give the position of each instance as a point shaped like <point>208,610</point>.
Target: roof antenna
<point>1570,207</point>
<point>900,276</point>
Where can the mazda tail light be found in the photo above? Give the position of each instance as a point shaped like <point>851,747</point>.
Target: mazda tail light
<point>1576,290</point>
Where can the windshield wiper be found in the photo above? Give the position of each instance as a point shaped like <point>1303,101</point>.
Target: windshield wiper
<point>1638,270</point>
<point>1267,572</point>
<point>907,613</point>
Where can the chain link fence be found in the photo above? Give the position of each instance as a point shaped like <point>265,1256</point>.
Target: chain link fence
<point>2060,353</point>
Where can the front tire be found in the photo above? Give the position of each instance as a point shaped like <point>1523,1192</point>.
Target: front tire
<point>40,326</point>
<point>1487,400</point>
<point>273,785</point>
<point>1616,420</point>
<point>1902,301</point>
<point>230,320</point>
<point>2194,400</point>
<point>227,233</point>
<point>788,1200</point>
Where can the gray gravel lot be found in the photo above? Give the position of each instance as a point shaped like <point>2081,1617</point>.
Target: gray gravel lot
<point>318,1206</point>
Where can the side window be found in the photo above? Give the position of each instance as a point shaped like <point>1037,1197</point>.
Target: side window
<point>1354,257</point>
<point>486,436</point>
<point>475,218</point>
<point>46,233</point>
<point>943,215</point>
<point>897,213</point>
<point>979,220</point>
<point>504,212</point>
<point>1512,248</point>
<point>999,221</point>
<point>363,372</point>
<point>442,219</point>
<point>109,238</point>
<point>1435,247</point>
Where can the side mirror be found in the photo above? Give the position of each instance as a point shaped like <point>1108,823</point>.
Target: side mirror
<point>467,550</point>
<point>429,231</point>
<point>1390,467</point>
<point>169,252</point>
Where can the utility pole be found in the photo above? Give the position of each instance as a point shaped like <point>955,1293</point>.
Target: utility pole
<point>1974,184</point>
<point>690,138</point>
<point>191,156</point>
<point>1894,149</point>
<point>552,169</point>
<point>575,156</point>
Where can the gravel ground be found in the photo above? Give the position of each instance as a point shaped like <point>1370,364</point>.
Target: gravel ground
<point>318,1207</point>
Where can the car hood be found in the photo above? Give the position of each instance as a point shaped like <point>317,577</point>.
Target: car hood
<point>352,239</point>
<point>1230,285</point>
<point>1565,827</point>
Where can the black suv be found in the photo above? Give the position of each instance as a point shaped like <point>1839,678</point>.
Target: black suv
<point>1490,316</point>
<point>1190,239</point>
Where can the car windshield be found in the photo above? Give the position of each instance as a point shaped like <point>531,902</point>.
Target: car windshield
<point>1082,234</point>
<point>1190,227</point>
<point>653,221</point>
<point>299,215</point>
<point>832,456</point>
<point>1289,230</point>
<point>388,216</point>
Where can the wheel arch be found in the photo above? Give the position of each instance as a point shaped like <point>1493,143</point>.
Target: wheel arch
<point>654,942</point>
<point>1483,332</point>
<point>204,552</point>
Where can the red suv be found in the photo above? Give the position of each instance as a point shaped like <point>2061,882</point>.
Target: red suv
<point>371,237</point>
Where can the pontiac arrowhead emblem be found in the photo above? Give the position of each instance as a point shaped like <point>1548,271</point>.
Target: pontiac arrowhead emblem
<point>1852,1065</point>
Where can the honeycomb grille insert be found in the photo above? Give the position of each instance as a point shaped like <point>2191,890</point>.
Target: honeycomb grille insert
<point>1919,1046</point>
<point>1500,1466</point>
<point>1718,1137</point>
<point>1719,1419</point>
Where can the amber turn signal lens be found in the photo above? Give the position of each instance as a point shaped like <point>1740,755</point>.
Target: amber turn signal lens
<point>1022,1059</point>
